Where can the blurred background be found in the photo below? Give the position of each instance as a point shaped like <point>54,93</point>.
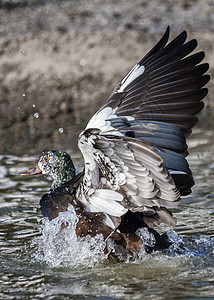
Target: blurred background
<point>60,60</point>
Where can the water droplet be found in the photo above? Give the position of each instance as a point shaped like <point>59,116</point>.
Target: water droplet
<point>61,130</point>
<point>34,105</point>
<point>36,115</point>
<point>23,95</point>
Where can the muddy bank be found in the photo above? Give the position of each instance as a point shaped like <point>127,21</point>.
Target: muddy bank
<point>60,60</point>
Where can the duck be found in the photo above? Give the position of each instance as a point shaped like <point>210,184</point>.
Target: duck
<point>134,150</point>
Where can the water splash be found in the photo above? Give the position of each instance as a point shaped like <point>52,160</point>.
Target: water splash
<point>59,247</point>
<point>147,237</point>
<point>62,248</point>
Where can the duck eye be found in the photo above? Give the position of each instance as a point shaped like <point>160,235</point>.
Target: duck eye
<point>46,158</point>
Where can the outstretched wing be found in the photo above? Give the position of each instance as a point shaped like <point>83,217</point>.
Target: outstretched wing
<point>134,147</point>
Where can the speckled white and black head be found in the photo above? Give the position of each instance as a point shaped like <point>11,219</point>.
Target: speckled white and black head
<point>57,164</point>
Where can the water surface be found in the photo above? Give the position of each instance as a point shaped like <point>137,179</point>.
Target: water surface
<point>38,262</point>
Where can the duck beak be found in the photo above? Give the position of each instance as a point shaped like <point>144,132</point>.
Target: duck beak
<point>33,171</point>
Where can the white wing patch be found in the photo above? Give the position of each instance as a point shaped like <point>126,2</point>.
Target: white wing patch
<point>131,76</point>
<point>107,201</point>
<point>100,121</point>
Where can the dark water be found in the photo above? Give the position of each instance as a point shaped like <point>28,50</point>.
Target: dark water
<point>37,261</point>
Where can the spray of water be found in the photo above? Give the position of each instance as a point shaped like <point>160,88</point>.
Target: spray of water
<point>58,245</point>
<point>61,247</point>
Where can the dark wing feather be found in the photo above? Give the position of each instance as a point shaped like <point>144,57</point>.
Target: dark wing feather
<point>159,46</point>
<point>168,73</point>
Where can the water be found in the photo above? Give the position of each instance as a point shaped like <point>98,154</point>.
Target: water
<point>36,115</point>
<point>39,261</point>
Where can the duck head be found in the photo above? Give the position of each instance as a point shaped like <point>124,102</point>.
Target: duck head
<point>55,163</point>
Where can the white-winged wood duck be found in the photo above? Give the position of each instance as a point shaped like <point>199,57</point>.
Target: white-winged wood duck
<point>134,150</point>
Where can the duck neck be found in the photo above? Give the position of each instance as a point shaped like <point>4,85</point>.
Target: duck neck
<point>62,174</point>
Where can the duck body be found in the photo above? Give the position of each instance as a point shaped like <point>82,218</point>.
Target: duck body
<point>92,223</point>
<point>134,149</point>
